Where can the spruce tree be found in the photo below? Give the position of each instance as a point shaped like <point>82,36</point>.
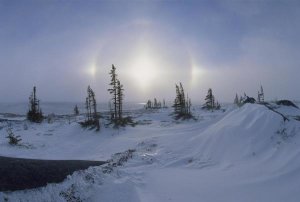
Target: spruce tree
<point>260,95</point>
<point>117,92</point>
<point>210,101</point>
<point>188,105</point>
<point>113,90</point>
<point>236,99</point>
<point>213,102</point>
<point>120,98</point>
<point>13,139</point>
<point>76,110</point>
<point>95,113</point>
<point>91,109</point>
<point>176,104</point>
<point>182,99</point>
<point>34,113</point>
<point>155,103</point>
<point>148,105</point>
<point>87,107</point>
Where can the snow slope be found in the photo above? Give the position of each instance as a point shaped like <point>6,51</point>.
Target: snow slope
<point>242,154</point>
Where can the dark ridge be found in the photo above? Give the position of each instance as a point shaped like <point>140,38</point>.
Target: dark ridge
<point>286,103</point>
<point>19,174</point>
<point>273,110</point>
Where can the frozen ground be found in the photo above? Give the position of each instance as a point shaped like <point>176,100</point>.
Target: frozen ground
<point>241,154</point>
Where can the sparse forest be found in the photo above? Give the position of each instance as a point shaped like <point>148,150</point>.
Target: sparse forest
<point>154,104</point>
<point>182,104</point>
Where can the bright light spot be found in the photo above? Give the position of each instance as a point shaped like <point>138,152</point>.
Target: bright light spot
<point>197,74</point>
<point>144,70</point>
<point>92,70</point>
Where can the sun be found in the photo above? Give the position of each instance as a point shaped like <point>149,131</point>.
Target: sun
<point>144,70</point>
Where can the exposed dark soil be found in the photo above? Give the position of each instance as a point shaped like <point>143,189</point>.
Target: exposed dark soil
<point>19,174</point>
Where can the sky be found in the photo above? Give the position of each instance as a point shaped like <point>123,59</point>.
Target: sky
<point>231,46</point>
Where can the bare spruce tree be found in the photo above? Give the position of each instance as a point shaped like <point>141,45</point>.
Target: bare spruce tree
<point>113,90</point>
<point>261,95</point>
<point>120,98</point>
<point>155,103</point>
<point>182,99</point>
<point>91,111</point>
<point>76,110</point>
<point>34,113</point>
<point>117,92</point>
<point>236,99</point>
<point>176,105</point>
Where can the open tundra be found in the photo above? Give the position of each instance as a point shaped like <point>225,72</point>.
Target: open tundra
<point>238,154</point>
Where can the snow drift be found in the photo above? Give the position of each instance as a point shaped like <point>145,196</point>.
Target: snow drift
<point>245,133</point>
<point>242,154</point>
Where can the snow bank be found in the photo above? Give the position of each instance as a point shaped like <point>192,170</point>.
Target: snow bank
<point>242,154</point>
<point>245,133</point>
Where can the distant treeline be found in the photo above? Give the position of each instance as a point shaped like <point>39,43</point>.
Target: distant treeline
<point>181,105</point>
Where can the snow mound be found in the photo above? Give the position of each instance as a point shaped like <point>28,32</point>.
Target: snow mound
<point>244,133</point>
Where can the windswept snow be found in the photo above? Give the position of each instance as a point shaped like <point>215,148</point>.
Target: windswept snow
<point>241,154</point>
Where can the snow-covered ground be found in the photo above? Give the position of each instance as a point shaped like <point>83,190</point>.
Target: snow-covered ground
<point>239,154</point>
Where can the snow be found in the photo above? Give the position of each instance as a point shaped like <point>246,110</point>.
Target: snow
<point>240,154</point>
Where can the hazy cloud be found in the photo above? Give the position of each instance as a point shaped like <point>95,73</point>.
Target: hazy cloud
<point>231,46</point>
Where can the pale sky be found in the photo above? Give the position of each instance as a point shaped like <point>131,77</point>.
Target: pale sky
<point>231,46</point>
